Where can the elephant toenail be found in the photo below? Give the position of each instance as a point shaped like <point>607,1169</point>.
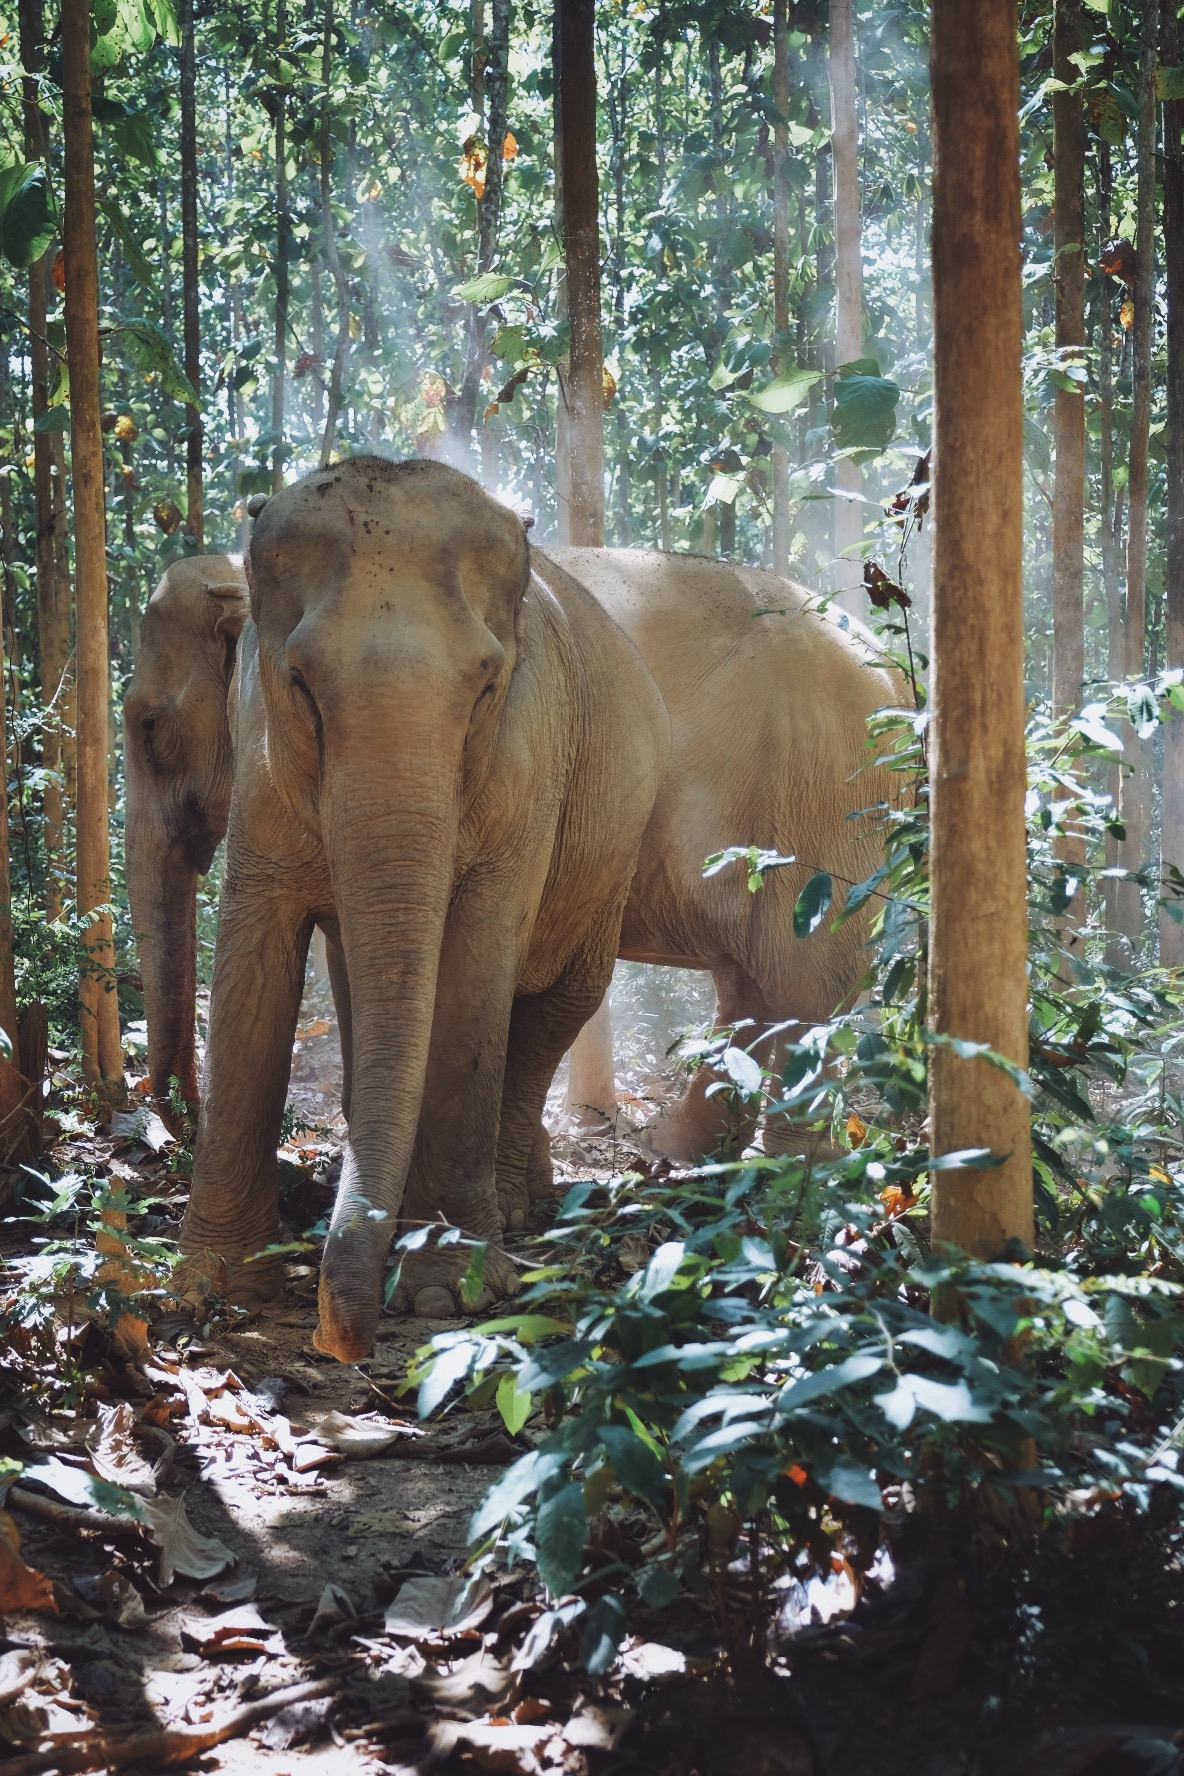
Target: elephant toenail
<point>435,1304</point>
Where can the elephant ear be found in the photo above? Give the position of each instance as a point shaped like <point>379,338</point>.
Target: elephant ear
<point>232,608</point>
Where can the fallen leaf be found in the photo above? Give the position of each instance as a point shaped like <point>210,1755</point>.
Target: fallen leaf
<point>293,1724</point>
<point>113,1450</point>
<point>22,1587</point>
<point>439,1608</point>
<point>182,1548</point>
<point>493,1746</point>
<point>17,1667</point>
<point>481,1681</point>
<point>236,1590</point>
<point>240,1630</point>
<point>143,1125</point>
<point>600,1729</point>
<point>334,1608</point>
<point>358,1435</point>
<point>649,1659</point>
<point>124,1601</point>
<point>856,1130</point>
<point>318,1027</point>
<point>79,1487</point>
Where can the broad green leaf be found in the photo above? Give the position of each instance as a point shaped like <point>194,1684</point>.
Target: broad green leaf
<point>635,1465</point>
<point>812,904</point>
<point>604,1630</point>
<point>491,286</point>
<point>447,1369</point>
<point>54,419</point>
<point>1169,83</point>
<point>865,408</point>
<point>150,348</point>
<point>743,1071</point>
<point>951,1401</point>
<point>658,1586</point>
<point>130,246</point>
<point>854,1485</point>
<point>513,1406</point>
<point>559,1538</point>
<point>513,1489</point>
<point>830,1380</point>
<point>785,394</point>
<point>133,131</point>
<point>26,216</point>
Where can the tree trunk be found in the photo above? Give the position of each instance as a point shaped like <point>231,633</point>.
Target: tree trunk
<point>101,1058</point>
<point>1110,536</point>
<point>581,232</point>
<point>563,369</point>
<point>1171,845</point>
<point>848,282</point>
<point>780,457</point>
<point>190,294</point>
<point>53,591</point>
<point>979,928</point>
<point>1068,512</point>
<point>575,81</point>
<point>283,250</point>
<point>1135,793</point>
<point>332,256</point>
<point>496,61</point>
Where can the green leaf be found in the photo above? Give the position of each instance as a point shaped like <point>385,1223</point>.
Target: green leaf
<point>822,1382</point>
<point>604,1630</point>
<point>812,904</point>
<point>559,1538</point>
<point>635,1465</point>
<point>26,216</point>
<point>658,1586</point>
<point>785,393</point>
<point>852,1484</point>
<point>149,347</point>
<point>513,1406</point>
<point>139,24</point>
<point>491,286</point>
<point>54,419</point>
<point>1169,83</point>
<point>743,1071</point>
<point>164,12</point>
<point>865,407</point>
<point>130,246</point>
<point>446,1370</point>
<point>134,131</point>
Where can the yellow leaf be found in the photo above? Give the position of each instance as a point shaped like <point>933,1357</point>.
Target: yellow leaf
<point>510,146</point>
<point>856,1130</point>
<point>1126,313</point>
<point>21,1587</point>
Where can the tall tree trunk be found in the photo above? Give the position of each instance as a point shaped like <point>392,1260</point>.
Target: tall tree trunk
<point>663,471</point>
<point>1068,512</point>
<point>332,256</point>
<point>848,280</point>
<point>780,457</point>
<point>283,248</point>
<point>53,591</point>
<point>619,118</point>
<point>563,370</point>
<point>1110,537</point>
<point>101,1058</point>
<point>591,1054</point>
<point>1135,795</point>
<point>495,63</point>
<point>581,232</point>
<point>190,293</point>
<point>979,931</point>
<point>1171,844</point>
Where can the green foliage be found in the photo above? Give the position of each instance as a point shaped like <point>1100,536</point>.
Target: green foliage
<point>26,215</point>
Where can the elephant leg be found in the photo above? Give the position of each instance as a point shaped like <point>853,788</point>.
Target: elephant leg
<point>699,1124</point>
<point>591,1086</point>
<point>264,927</point>
<point>542,1029</point>
<point>452,1178</point>
<point>339,984</point>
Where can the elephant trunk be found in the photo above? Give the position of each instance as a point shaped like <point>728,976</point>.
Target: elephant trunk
<point>391,856</point>
<point>162,892</point>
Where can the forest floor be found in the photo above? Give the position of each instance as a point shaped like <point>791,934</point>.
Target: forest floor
<point>294,1578</point>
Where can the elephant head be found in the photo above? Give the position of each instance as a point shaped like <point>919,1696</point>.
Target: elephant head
<point>180,767</point>
<point>386,598</point>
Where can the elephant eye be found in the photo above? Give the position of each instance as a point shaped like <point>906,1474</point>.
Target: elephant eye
<point>230,648</point>
<point>148,729</point>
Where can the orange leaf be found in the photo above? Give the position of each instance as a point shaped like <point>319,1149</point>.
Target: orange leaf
<point>21,1587</point>
<point>58,271</point>
<point>856,1130</point>
<point>1126,313</point>
<point>797,1474</point>
<point>608,388</point>
<point>510,146</point>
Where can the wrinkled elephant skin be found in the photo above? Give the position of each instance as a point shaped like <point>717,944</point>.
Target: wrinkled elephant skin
<point>460,763</point>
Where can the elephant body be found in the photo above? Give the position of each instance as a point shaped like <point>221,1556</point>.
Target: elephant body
<point>768,701</point>
<point>454,766</point>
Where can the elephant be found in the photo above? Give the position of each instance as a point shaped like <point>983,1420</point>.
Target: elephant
<point>180,768</point>
<point>453,765</point>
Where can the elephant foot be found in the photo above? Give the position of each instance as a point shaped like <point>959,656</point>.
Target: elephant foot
<point>430,1283</point>
<point>249,1284</point>
<point>683,1139</point>
<point>515,1194</point>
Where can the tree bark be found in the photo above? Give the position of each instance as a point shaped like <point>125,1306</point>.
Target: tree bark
<point>1068,512</point>
<point>780,456</point>
<point>563,369</point>
<point>53,587</point>
<point>1171,847</point>
<point>495,78</point>
<point>979,927</point>
<point>283,250</point>
<point>332,256</point>
<point>190,295</point>
<point>1134,796</point>
<point>581,230</point>
<point>101,1057</point>
<point>848,281</point>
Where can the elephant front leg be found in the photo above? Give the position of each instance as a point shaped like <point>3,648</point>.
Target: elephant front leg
<point>258,978</point>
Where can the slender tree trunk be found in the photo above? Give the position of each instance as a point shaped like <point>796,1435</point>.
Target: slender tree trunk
<point>619,115</point>
<point>332,256</point>
<point>563,369</point>
<point>1135,794</point>
<point>101,1057</point>
<point>663,471</point>
<point>283,249</point>
<point>1171,846</point>
<point>53,593</point>
<point>591,1053</point>
<point>1109,536</point>
<point>190,292</point>
<point>581,230</point>
<point>780,457</point>
<point>1068,514</point>
<point>979,929</point>
<point>848,280</point>
<point>496,61</point>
